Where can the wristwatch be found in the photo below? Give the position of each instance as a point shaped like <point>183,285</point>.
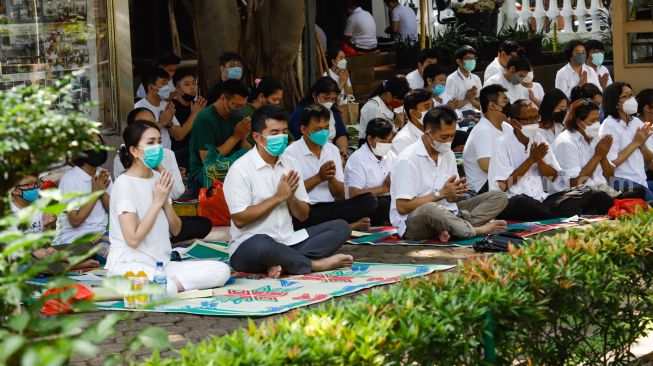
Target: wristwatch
<point>437,194</point>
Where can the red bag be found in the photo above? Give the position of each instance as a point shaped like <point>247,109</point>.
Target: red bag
<point>55,306</point>
<point>627,206</point>
<point>213,204</point>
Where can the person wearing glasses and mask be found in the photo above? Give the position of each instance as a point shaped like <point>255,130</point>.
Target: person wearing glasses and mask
<point>631,150</point>
<point>462,84</point>
<point>575,72</point>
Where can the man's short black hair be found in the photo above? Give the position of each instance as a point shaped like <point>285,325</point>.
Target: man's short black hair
<point>131,117</point>
<point>438,116</point>
<point>569,48</point>
<point>509,46</point>
<point>266,112</point>
<point>593,44</point>
<point>426,54</point>
<point>379,127</point>
<point>644,98</point>
<point>227,57</point>
<point>433,70</point>
<point>314,112</point>
<point>463,51</point>
<point>168,58</point>
<point>489,94</point>
<point>152,75</point>
<point>415,97</point>
<point>183,73</point>
<point>520,63</point>
<point>233,87</point>
<point>352,4</point>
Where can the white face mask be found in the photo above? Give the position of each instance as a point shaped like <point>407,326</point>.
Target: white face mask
<point>441,147</point>
<point>529,77</point>
<point>530,130</point>
<point>592,130</point>
<point>381,149</point>
<point>342,64</point>
<point>630,106</point>
<point>327,105</point>
<point>421,118</point>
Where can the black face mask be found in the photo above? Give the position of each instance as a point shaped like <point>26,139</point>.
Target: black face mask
<point>506,109</point>
<point>188,97</point>
<point>96,158</point>
<point>559,117</point>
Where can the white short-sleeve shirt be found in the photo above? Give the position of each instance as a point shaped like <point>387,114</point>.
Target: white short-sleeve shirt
<point>364,170</point>
<point>567,78</point>
<point>417,175</point>
<point>537,89</point>
<point>374,108</point>
<point>514,92</point>
<point>336,78</point>
<point>550,135</point>
<point>169,163</point>
<point>458,85</point>
<point>360,26</point>
<point>251,181</point>
<point>156,110</point>
<point>77,181</point>
<point>136,195</point>
<point>572,153</point>
<point>309,165</point>
<point>622,135</point>
<point>480,145</point>
<point>600,71</point>
<point>415,80</point>
<point>407,21</point>
<point>408,135</point>
<point>508,155</point>
<point>492,69</point>
<point>35,224</point>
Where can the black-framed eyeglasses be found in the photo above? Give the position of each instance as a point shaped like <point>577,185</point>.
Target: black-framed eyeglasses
<point>35,184</point>
<point>530,120</point>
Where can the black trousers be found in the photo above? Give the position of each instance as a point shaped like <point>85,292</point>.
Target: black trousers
<point>258,253</point>
<point>381,217</point>
<point>350,210</point>
<point>192,227</point>
<point>568,203</point>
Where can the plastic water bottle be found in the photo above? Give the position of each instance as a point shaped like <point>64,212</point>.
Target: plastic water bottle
<point>160,279</point>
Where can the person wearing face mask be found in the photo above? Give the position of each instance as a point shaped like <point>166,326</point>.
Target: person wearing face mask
<point>230,68</point>
<point>553,111</point>
<point>321,167</point>
<point>387,97</point>
<point>92,217</point>
<point>368,169</point>
<point>265,192</point>
<point>142,218</point>
<point>222,126</point>
<point>187,105</point>
<point>462,84</point>
<point>426,189</point>
<point>325,92</point>
<point>339,73</point>
<point>575,72</point>
<point>25,192</point>
<point>435,80</point>
<point>583,156</point>
<point>482,140</point>
<point>267,90</point>
<point>169,62</point>
<point>595,57</point>
<point>534,90</point>
<point>631,150</point>
<point>508,48</point>
<point>427,56</point>
<point>517,70</point>
<point>416,104</point>
<point>156,100</point>
<point>645,113</point>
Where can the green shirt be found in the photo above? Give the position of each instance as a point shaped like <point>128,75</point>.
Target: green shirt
<point>209,129</point>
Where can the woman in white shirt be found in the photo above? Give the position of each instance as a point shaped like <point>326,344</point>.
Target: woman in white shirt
<point>368,169</point>
<point>338,71</point>
<point>142,218</point>
<point>553,111</point>
<point>388,96</point>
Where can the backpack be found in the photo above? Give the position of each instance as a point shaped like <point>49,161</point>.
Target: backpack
<point>498,242</point>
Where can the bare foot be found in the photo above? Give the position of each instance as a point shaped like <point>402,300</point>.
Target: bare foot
<point>363,224</point>
<point>43,252</point>
<point>274,271</point>
<point>491,227</point>
<point>89,263</point>
<point>332,262</point>
<point>444,236</point>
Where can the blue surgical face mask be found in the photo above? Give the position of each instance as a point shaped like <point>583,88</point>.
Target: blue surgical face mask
<point>276,144</point>
<point>153,156</point>
<point>165,91</point>
<point>30,195</point>
<point>320,137</point>
<point>469,65</point>
<point>597,58</point>
<point>235,73</point>
<point>438,89</point>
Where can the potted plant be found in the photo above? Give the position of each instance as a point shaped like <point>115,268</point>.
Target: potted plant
<point>407,51</point>
<point>527,39</point>
<point>480,15</point>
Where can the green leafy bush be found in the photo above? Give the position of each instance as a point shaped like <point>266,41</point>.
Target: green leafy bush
<point>578,297</point>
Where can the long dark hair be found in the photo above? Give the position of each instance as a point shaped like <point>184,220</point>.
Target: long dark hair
<point>396,85</point>
<point>611,96</point>
<point>323,85</point>
<point>549,103</point>
<point>579,110</point>
<point>266,85</point>
<point>130,137</point>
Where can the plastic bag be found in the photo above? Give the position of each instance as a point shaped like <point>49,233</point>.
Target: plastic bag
<point>213,205</point>
<point>627,206</point>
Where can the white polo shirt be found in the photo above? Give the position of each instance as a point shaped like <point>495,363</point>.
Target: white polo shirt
<point>156,110</point>
<point>417,175</point>
<point>600,71</point>
<point>514,92</point>
<point>169,163</point>
<point>407,21</point>
<point>76,180</point>
<point>309,165</point>
<point>458,85</point>
<point>508,155</point>
<point>572,152</point>
<point>492,69</point>
<point>251,181</point>
<point>567,78</point>
<point>550,135</point>
<point>408,135</point>
<point>361,28</point>
<point>480,145</point>
<point>622,135</point>
<point>364,170</point>
<point>373,108</point>
<point>415,80</point>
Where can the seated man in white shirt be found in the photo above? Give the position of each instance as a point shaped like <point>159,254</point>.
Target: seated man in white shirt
<point>522,164</point>
<point>416,103</point>
<point>320,165</point>
<point>462,84</point>
<point>167,61</point>
<point>265,191</point>
<point>403,20</point>
<point>360,28</point>
<point>426,189</point>
<point>507,49</point>
<point>595,56</point>
<point>575,72</point>
<point>480,144</point>
<point>427,56</point>
<point>517,69</point>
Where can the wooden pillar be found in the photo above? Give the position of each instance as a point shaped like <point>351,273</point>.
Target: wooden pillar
<point>310,51</point>
<point>422,23</point>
